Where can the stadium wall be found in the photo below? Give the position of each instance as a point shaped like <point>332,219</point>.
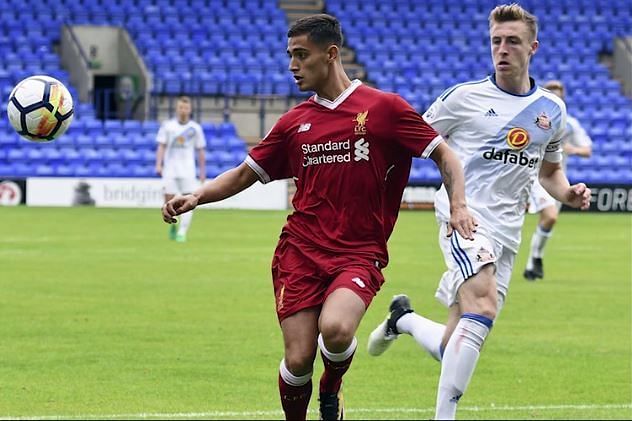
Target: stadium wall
<point>147,193</point>
<point>134,193</point>
<point>604,198</point>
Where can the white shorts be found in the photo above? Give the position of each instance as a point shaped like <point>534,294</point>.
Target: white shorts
<point>180,185</point>
<point>465,258</point>
<point>540,199</point>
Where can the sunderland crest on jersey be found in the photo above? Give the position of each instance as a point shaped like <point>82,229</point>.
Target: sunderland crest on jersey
<point>361,119</point>
<point>543,121</point>
<point>483,255</point>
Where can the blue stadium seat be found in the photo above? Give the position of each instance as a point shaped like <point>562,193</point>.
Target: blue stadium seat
<point>142,170</point>
<point>211,47</point>
<point>63,170</point>
<point>150,126</point>
<point>44,170</point>
<point>23,169</point>
<point>7,169</point>
<point>132,126</point>
<point>113,127</point>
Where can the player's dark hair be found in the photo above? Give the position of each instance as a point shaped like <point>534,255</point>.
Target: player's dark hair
<point>321,29</point>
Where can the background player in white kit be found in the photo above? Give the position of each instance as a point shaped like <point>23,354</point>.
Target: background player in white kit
<point>505,130</point>
<point>575,142</point>
<point>178,140</point>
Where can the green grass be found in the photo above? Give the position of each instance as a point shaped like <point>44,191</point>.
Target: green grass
<point>102,316</point>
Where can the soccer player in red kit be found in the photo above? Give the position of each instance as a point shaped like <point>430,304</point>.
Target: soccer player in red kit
<point>349,150</point>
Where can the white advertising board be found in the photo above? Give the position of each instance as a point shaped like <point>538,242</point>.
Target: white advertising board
<point>139,193</point>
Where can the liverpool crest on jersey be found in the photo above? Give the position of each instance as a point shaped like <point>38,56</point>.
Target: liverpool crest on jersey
<point>543,121</point>
<point>361,119</point>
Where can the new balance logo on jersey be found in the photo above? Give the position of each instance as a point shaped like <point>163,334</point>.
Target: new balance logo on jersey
<point>508,156</point>
<point>361,150</point>
<point>304,127</point>
<point>491,113</point>
<point>359,282</point>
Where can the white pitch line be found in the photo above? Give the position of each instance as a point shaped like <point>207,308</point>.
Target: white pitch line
<point>251,414</point>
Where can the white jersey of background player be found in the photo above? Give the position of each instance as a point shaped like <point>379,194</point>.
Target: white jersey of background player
<point>574,142</point>
<point>178,140</point>
<point>506,131</point>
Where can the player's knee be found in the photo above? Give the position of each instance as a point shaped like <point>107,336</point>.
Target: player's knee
<point>549,218</point>
<point>486,306</point>
<point>489,312</point>
<point>337,334</point>
<point>299,363</point>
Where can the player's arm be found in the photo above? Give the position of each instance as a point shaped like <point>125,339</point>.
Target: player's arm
<point>201,158</point>
<point>222,187</point>
<point>552,177</point>
<point>160,156</point>
<point>161,139</point>
<point>556,184</point>
<point>583,151</point>
<point>454,182</point>
<point>580,143</point>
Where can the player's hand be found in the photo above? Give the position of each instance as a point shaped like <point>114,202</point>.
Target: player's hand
<point>578,196</point>
<point>176,206</point>
<point>159,169</point>
<point>463,222</point>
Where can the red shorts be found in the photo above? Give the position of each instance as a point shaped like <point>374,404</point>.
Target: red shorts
<point>304,276</point>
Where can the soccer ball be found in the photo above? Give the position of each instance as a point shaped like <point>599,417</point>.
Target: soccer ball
<point>40,108</point>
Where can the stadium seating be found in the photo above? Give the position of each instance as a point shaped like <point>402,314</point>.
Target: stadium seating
<point>222,47</point>
<point>419,49</point>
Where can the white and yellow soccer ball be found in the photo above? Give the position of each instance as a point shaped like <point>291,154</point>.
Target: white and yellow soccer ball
<point>40,108</point>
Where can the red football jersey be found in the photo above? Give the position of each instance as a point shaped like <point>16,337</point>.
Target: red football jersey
<point>350,159</point>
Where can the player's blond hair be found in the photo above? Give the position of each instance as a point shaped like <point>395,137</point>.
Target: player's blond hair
<point>184,99</point>
<point>514,12</point>
<point>554,84</point>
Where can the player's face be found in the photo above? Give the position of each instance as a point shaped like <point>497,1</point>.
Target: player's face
<point>183,111</point>
<point>309,63</point>
<point>512,48</point>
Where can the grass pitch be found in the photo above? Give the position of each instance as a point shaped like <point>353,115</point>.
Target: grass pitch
<point>102,317</point>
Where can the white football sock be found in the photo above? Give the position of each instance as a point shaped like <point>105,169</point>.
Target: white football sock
<point>426,332</point>
<point>459,361</point>
<point>538,241</point>
<point>290,378</point>
<point>340,356</point>
<point>185,222</point>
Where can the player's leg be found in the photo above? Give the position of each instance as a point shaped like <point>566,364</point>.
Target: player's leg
<point>300,332</point>
<point>402,319</point>
<point>186,186</point>
<point>299,295</point>
<point>170,189</point>
<point>339,320</point>
<point>346,301</point>
<point>477,309</point>
<point>429,334</point>
<point>544,231</point>
<point>480,300</point>
<point>469,289</point>
<point>540,202</point>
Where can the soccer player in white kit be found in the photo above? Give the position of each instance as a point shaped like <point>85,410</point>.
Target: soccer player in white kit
<point>506,130</point>
<point>575,142</point>
<point>178,140</point>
